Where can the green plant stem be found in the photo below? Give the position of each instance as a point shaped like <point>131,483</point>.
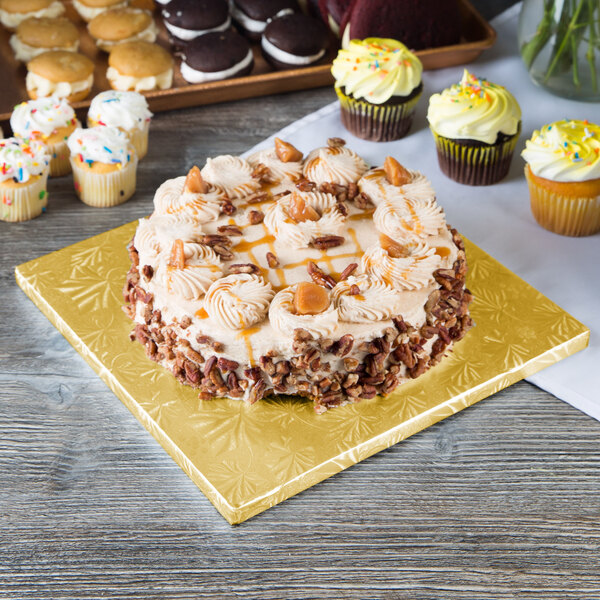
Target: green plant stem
<point>591,52</point>
<point>533,47</point>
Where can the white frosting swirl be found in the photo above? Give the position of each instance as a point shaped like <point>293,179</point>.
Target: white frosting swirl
<point>375,184</point>
<point>202,267</point>
<point>279,171</point>
<point>41,117</point>
<point>284,320</point>
<point>376,301</point>
<point>107,145</point>
<point>20,160</point>
<point>127,110</point>
<point>231,174</point>
<point>171,199</point>
<point>334,165</point>
<point>412,272</point>
<point>238,301</point>
<point>402,219</point>
<point>298,235</point>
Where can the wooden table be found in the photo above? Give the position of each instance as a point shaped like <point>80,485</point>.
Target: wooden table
<point>499,501</point>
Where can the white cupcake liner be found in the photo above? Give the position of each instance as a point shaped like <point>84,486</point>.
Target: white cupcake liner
<point>60,163</point>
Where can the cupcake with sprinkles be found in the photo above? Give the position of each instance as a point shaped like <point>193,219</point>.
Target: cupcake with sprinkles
<point>23,177</point>
<point>51,121</point>
<point>378,83</point>
<point>104,165</point>
<point>563,174</point>
<point>475,124</point>
<point>126,110</point>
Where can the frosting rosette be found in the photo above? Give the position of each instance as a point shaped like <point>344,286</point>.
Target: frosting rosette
<point>127,110</point>
<point>375,69</point>
<point>40,118</point>
<point>566,151</point>
<point>238,301</point>
<point>404,219</point>
<point>232,175</point>
<point>474,109</point>
<point>190,280</point>
<point>279,171</point>
<point>363,299</point>
<point>21,160</point>
<point>172,198</point>
<point>412,271</point>
<point>334,164</point>
<point>376,186</point>
<point>107,145</point>
<point>299,234</point>
<point>284,319</point>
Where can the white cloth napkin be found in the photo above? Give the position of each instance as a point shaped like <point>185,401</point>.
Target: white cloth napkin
<point>498,217</point>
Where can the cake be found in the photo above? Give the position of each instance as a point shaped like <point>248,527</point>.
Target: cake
<point>314,276</point>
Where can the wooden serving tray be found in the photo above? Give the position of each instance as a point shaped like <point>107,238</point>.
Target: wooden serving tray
<point>477,36</point>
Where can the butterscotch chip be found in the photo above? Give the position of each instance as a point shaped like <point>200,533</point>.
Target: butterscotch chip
<point>47,33</point>
<point>140,59</point>
<point>310,299</point>
<point>194,184</point>
<point>286,152</point>
<point>119,24</point>
<point>177,260</point>
<point>394,249</point>
<point>300,211</point>
<point>60,65</point>
<point>396,174</point>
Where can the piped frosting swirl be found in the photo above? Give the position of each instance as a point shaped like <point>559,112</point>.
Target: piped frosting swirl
<point>107,145</point>
<point>128,110</point>
<point>232,175</point>
<point>20,160</point>
<point>334,164</point>
<point>42,117</point>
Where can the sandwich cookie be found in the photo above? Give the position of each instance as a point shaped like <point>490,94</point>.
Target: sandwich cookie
<point>14,12</point>
<point>217,55</point>
<point>122,25</point>
<point>252,15</point>
<point>186,20</point>
<point>88,9</point>
<point>40,34</point>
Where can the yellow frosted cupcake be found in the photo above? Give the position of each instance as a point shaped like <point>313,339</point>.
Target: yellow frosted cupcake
<point>104,165</point>
<point>126,110</point>
<point>23,177</point>
<point>51,121</point>
<point>378,83</point>
<point>563,174</point>
<point>475,124</point>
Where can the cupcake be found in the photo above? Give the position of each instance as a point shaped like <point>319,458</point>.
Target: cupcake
<point>378,83</point>
<point>186,20</point>
<point>13,12</point>
<point>23,177</point>
<point>37,35</point>
<point>50,121</point>
<point>126,110</point>
<point>122,25</point>
<point>104,165</point>
<point>476,125</point>
<point>294,40</point>
<point>60,73</point>
<point>139,66</point>
<point>563,174</point>
<point>217,55</point>
<point>88,9</point>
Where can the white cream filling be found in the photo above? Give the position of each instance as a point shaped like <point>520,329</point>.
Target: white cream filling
<point>252,25</point>
<point>24,52</point>
<point>286,57</point>
<point>146,35</point>
<point>42,87</point>
<point>192,34</point>
<point>125,83</point>
<point>12,20</point>
<point>193,76</point>
<point>88,12</point>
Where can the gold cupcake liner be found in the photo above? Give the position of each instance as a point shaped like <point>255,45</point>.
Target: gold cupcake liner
<point>24,202</point>
<point>376,122</point>
<point>474,164</point>
<point>60,163</point>
<point>104,189</point>
<point>566,215</point>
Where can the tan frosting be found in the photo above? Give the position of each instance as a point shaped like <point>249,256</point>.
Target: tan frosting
<point>278,170</point>
<point>374,184</point>
<point>232,175</point>
<point>406,219</point>
<point>334,165</point>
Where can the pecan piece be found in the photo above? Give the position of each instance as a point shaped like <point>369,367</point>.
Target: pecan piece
<point>227,207</point>
<point>244,268</point>
<point>255,217</point>
<point>272,260</point>
<point>327,241</point>
<point>227,365</point>
<point>304,185</point>
<point>229,230</point>
<point>336,142</point>
<point>147,272</point>
<point>223,252</point>
<point>256,198</point>
<point>348,271</point>
<point>363,201</point>
<point>216,239</point>
<point>261,172</point>
<point>320,277</point>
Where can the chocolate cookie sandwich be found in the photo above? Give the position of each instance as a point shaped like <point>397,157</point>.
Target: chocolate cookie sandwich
<point>215,56</point>
<point>186,20</point>
<point>298,275</point>
<point>294,40</point>
<point>252,16</point>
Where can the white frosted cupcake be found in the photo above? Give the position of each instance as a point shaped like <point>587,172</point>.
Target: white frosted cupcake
<point>104,165</point>
<point>23,177</point>
<point>51,121</point>
<point>126,110</point>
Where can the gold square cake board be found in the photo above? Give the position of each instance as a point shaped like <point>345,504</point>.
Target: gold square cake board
<point>248,458</point>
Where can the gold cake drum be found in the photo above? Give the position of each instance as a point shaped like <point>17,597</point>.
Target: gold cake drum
<point>247,458</point>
